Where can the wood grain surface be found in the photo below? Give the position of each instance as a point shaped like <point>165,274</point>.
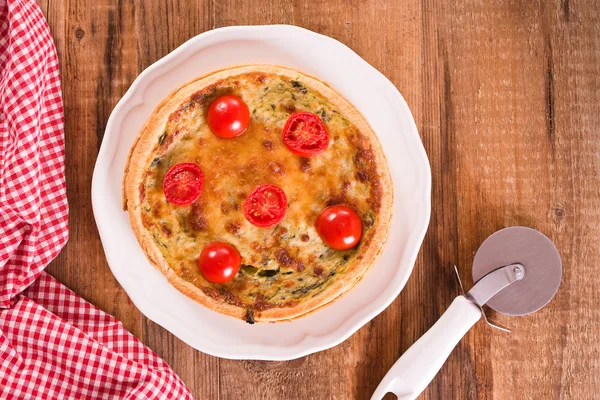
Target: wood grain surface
<point>506,96</point>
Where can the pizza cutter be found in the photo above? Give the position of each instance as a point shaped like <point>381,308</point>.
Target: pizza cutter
<point>516,271</point>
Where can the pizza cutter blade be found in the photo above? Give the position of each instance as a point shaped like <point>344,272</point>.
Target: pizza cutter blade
<point>540,263</point>
<point>516,271</point>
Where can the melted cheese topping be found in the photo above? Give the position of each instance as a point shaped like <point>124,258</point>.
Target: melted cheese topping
<point>281,265</point>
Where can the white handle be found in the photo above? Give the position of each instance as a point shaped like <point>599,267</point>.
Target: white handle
<point>411,374</point>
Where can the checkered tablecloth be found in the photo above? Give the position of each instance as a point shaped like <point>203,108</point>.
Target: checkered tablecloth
<point>53,344</point>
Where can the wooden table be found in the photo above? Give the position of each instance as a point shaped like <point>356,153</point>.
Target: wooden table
<point>506,97</point>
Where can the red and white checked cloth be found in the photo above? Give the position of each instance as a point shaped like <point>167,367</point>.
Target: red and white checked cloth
<point>53,344</point>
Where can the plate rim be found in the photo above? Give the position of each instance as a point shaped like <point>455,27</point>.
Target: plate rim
<point>301,348</point>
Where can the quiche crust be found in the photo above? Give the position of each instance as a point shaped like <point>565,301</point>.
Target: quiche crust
<point>141,155</point>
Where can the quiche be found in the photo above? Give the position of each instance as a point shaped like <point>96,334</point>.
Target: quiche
<point>283,264</point>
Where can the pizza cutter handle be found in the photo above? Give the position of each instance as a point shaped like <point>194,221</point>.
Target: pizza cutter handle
<point>411,374</point>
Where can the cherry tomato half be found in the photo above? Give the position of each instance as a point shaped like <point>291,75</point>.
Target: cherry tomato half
<point>305,134</point>
<point>228,116</point>
<point>219,262</point>
<point>340,227</point>
<point>183,184</point>
<point>265,206</point>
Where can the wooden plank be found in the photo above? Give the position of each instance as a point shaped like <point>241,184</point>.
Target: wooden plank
<point>523,153</point>
<point>506,97</point>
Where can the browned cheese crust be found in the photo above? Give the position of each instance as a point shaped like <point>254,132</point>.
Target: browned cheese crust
<point>287,271</point>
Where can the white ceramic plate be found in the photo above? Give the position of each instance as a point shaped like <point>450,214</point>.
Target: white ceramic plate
<point>382,105</point>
